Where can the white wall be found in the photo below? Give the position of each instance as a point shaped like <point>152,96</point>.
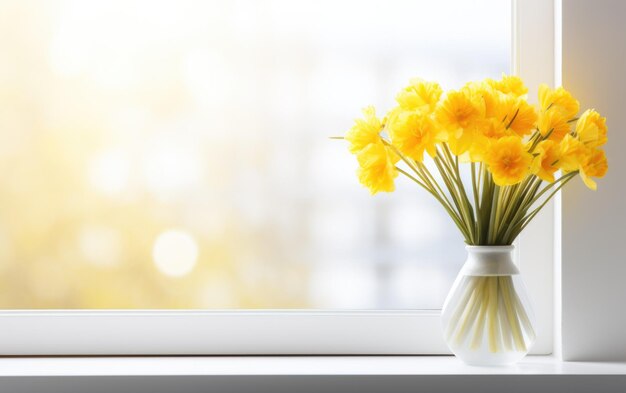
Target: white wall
<point>593,223</point>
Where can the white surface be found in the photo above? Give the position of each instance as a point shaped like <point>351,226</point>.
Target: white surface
<point>533,61</point>
<point>593,223</point>
<point>162,332</point>
<point>291,365</point>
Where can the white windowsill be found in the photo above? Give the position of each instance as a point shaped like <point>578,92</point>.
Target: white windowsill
<point>303,374</point>
<point>290,366</point>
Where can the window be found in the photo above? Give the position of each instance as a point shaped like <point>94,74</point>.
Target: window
<point>174,156</point>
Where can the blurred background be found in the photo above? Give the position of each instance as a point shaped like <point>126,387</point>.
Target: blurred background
<point>175,154</point>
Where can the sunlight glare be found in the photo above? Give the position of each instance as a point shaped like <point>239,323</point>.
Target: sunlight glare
<point>175,253</point>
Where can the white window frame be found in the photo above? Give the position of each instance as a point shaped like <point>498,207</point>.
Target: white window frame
<point>238,332</point>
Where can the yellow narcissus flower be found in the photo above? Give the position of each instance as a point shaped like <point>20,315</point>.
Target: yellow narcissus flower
<point>415,132</point>
<point>508,160</point>
<point>485,91</point>
<point>517,114</point>
<point>510,84</point>
<point>594,164</point>
<point>419,95</point>
<point>591,129</point>
<point>461,114</point>
<point>365,131</point>
<point>571,153</point>
<point>460,110</point>
<point>559,99</point>
<point>546,162</point>
<point>491,130</point>
<point>377,169</point>
<point>575,156</point>
<point>492,123</point>
<point>553,125</point>
<point>494,129</point>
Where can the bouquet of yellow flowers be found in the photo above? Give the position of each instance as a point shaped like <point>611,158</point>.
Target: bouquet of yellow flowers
<point>514,156</point>
<point>512,148</point>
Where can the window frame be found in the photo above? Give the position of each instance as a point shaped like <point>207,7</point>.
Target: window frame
<point>310,332</point>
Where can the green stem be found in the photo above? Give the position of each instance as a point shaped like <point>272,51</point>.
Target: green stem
<point>521,211</point>
<point>492,215</point>
<point>476,203</point>
<point>453,165</point>
<point>546,188</point>
<point>447,175</point>
<point>532,215</point>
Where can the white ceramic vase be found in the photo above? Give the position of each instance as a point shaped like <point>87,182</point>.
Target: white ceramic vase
<point>487,318</point>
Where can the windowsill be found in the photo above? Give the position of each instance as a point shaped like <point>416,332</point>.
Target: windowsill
<point>290,365</point>
<point>304,373</point>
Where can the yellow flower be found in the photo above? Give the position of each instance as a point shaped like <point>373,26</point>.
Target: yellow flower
<point>494,129</point>
<point>508,160</point>
<point>571,152</point>
<point>365,131</point>
<point>594,164</point>
<point>590,162</point>
<point>552,122</point>
<point>415,132</point>
<point>459,110</point>
<point>461,114</point>
<point>510,84</point>
<point>591,129</point>
<point>491,130</point>
<point>546,162</point>
<point>487,93</point>
<point>419,95</point>
<point>518,115</point>
<point>559,99</point>
<point>377,168</point>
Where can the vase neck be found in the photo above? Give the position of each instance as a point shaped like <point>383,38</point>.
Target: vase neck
<point>489,261</point>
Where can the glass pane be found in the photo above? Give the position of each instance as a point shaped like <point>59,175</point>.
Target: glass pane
<point>175,154</point>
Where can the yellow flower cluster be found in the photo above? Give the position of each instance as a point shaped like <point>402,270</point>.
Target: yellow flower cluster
<point>377,168</point>
<point>488,122</point>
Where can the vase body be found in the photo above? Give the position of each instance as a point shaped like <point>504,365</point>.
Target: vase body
<point>487,318</point>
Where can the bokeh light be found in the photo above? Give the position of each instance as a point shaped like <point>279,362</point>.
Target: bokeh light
<point>175,253</point>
